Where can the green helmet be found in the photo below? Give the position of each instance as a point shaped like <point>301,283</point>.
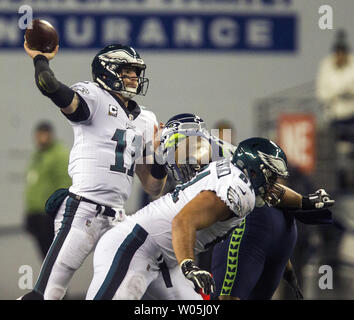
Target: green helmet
<point>263,161</point>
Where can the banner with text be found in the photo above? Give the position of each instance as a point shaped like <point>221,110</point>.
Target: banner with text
<point>253,32</point>
<point>297,137</point>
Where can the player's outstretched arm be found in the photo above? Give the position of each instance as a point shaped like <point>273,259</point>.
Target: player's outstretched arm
<point>204,210</point>
<point>318,200</point>
<point>64,97</point>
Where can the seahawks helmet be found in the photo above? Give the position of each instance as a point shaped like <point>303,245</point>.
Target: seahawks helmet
<point>176,130</point>
<point>107,66</point>
<point>182,125</point>
<point>263,161</point>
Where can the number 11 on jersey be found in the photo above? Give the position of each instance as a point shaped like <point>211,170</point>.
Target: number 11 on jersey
<point>119,137</point>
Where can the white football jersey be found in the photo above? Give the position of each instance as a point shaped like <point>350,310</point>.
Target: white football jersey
<point>222,177</point>
<point>107,146</point>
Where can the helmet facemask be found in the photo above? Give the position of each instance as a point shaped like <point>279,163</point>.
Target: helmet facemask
<point>263,162</point>
<point>116,83</point>
<point>186,147</point>
<point>270,192</point>
<point>185,154</point>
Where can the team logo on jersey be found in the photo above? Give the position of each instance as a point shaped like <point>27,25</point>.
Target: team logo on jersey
<point>80,89</point>
<point>234,199</point>
<point>112,110</point>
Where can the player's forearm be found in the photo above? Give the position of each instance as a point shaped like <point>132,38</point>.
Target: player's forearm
<point>151,185</point>
<point>200,213</point>
<point>293,200</point>
<point>183,239</point>
<point>59,93</point>
<point>154,186</point>
<point>290,199</point>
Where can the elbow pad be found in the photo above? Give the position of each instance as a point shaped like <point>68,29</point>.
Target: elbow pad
<point>49,86</point>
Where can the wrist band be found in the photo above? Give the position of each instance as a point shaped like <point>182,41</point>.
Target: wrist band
<point>185,260</point>
<point>306,203</point>
<point>158,171</point>
<point>38,58</point>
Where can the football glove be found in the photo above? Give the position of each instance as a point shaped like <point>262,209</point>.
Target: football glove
<point>318,200</point>
<point>201,279</point>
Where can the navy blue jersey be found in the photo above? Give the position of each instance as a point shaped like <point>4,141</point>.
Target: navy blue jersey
<point>251,262</point>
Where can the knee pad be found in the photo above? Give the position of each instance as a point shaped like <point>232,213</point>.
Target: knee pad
<point>54,293</point>
<point>132,288</point>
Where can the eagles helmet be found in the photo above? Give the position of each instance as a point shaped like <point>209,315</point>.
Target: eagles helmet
<point>263,161</point>
<point>107,66</point>
<point>176,130</point>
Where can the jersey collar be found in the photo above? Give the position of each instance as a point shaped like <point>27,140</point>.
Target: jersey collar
<point>132,111</point>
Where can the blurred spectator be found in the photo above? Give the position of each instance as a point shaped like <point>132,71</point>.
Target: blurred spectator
<point>335,81</point>
<point>46,172</point>
<point>227,132</point>
<point>335,88</point>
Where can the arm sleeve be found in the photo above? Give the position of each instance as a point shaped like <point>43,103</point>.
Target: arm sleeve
<point>82,112</point>
<point>59,93</point>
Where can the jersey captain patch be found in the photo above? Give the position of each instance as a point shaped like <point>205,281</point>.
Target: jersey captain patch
<point>113,110</point>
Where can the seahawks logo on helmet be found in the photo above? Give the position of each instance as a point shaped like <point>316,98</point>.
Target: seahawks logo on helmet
<point>276,164</point>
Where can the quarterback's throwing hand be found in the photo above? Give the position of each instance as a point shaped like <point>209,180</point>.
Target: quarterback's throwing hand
<point>201,279</point>
<point>318,200</point>
<point>34,53</point>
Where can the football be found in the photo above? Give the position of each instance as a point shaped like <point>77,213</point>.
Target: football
<point>42,36</point>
